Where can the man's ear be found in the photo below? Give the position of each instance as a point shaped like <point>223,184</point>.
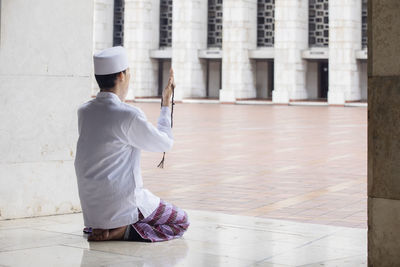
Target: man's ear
<point>121,76</point>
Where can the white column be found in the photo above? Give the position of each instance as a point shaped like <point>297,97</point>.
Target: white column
<point>103,29</point>
<point>189,35</point>
<point>103,24</point>
<point>41,89</point>
<point>344,41</point>
<point>239,36</point>
<point>141,35</point>
<point>291,38</point>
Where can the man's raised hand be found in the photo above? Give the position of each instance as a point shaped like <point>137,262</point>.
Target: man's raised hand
<point>167,92</point>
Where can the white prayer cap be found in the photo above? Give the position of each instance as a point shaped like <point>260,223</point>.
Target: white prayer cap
<point>110,60</point>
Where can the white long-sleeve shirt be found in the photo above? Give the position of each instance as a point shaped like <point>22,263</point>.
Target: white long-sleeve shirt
<point>107,164</point>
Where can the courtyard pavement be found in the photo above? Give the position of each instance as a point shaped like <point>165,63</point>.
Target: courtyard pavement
<point>306,164</point>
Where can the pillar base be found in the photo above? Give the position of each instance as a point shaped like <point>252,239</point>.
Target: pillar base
<point>280,97</point>
<point>227,96</point>
<point>336,97</point>
<point>130,96</point>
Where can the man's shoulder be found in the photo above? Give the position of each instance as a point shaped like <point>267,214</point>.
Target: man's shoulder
<point>121,109</point>
<point>85,106</point>
<point>130,109</point>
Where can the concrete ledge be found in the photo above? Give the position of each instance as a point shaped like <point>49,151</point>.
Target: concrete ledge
<point>161,53</point>
<point>248,102</point>
<point>356,105</point>
<point>210,53</point>
<point>200,101</point>
<point>254,102</point>
<point>308,103</point>
<point>146,100</point>
<point>316,53</point>
<point>264,53</point>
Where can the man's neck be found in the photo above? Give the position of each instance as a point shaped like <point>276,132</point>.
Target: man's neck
<point>115,91</point>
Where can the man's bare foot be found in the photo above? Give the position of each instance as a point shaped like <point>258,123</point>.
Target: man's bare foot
<point>105,234</point>
<point>99,235</point>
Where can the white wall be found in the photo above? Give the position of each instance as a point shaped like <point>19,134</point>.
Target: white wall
<point>189,35</point>
<point>45,74</point>
<point>103,20</point>
<point>344,41</point>
<point>312,80</point>
<point>291,38</point>
<point>103,24</point>
<point>239,36</point>
<point>141,33</point>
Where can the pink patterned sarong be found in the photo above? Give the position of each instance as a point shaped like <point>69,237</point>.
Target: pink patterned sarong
<point>165,223</point>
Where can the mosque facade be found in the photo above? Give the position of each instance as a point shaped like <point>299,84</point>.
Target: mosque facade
<point>281,51</point>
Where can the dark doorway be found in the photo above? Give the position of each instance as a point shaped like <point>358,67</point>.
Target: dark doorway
<point>264,79</point>
<point>323,75</point>
<point>214,78</point>
<point>271,75</point>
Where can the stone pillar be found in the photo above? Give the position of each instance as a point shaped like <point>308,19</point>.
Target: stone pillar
<point>383,133</point>
<point>189,35</point>
<point>291,38</point>
<point>239,36</point>
<point>141,35</point>
<point>103,24</point>
<point>344,41</point>
<point>103,29</point>
<point>46,70</point>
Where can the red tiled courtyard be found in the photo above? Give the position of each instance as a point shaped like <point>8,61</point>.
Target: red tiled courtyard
<point>305,164</point>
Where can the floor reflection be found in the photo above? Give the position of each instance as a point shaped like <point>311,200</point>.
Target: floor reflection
<point>164,254</point>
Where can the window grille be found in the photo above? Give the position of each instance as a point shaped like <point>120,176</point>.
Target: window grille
<point>364,26</point>
<point>318,23</point>
<point>165,23</point>
<point>119,8</point>
<point>215,16</point>
<point>265,23</point>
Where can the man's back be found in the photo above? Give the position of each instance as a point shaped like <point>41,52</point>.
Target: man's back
<point>108,161</point>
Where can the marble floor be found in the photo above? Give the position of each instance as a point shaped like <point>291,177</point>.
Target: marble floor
<point>213,239</point>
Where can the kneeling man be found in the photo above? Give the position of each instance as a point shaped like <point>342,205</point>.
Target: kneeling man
<point>111,136</point>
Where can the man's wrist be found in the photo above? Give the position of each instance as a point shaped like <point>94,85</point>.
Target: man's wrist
<point>166,103</point>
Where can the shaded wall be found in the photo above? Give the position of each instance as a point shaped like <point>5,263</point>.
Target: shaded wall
<point>384,133</point>
<point>45,68</point>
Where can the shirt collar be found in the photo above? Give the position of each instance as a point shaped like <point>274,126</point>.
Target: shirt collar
<point>108,95</point>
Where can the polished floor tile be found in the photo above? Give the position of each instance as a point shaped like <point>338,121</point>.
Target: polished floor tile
<point>213,239</point>
<point>63,256</point>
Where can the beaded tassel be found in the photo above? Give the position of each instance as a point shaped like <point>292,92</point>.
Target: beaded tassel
<point>161,164</point>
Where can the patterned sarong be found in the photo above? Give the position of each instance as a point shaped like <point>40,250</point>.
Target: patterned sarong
<point>165,223</point>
